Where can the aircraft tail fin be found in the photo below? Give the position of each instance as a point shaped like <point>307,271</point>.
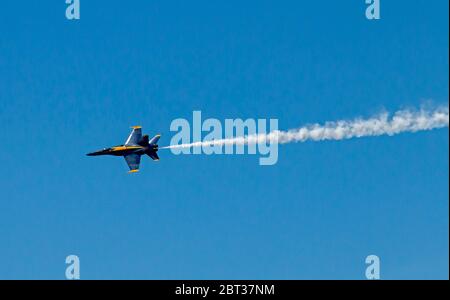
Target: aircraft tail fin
<point>153,147</point>
<point>144,140</point>
<point>153,155</point>
<point>154,140</point>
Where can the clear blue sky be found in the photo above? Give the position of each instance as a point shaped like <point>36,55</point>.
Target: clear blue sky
<point>71,87</point>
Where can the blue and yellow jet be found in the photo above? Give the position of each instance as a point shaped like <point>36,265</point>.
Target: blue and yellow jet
<point>135,146</point>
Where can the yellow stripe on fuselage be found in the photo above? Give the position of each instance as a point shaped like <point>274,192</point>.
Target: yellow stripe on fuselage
<point>122,148</point>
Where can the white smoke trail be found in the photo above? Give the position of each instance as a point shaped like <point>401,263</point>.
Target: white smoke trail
<point>383,124</point>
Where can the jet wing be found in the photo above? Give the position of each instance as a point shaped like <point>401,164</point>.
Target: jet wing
<point>135,136</point>
<point>133,161</point>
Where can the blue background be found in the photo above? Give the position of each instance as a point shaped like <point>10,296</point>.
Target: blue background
<point>71,87</point>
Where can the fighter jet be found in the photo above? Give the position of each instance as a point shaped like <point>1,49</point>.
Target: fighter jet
<point>135,146</point>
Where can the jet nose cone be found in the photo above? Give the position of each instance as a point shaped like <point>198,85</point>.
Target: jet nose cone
<point>99,152</point>
<point>94,153</point>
